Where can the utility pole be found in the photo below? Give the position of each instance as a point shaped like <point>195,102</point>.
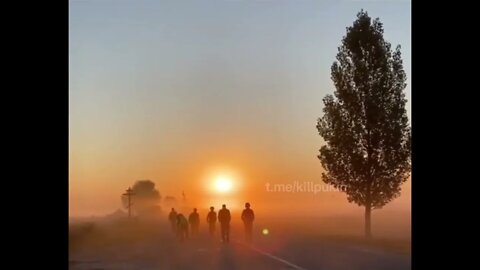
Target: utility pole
<point>129,193</point>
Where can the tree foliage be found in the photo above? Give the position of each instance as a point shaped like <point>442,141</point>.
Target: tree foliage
<point>365,124</point>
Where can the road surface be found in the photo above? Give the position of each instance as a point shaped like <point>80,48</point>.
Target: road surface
<point>163,251</point>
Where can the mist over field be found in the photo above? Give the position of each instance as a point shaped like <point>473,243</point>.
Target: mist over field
<point>299,109</point>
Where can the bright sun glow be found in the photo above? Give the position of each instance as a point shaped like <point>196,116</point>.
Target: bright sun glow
<point>223,184</point>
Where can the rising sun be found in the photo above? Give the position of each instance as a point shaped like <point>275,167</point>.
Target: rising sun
<point>223,184</point>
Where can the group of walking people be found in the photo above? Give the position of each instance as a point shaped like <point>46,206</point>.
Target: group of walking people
<point>181,226</point>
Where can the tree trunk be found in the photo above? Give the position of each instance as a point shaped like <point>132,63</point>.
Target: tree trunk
<point>368,228</point>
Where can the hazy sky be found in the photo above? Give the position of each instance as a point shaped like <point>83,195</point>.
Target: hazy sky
<point>173,90</point>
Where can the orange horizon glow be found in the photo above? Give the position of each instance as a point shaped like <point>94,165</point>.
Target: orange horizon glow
<point>219,185</point>
<point>215,105</point>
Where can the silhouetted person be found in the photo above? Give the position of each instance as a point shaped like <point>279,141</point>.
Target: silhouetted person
<point>182,227</point>
<point>194,221</point>
<point>224,219</point>
<point>247,217</point>
<point>211,220</point>
<point>172,217</point>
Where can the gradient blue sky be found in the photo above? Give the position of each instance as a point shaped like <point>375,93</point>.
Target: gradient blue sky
<point>156,82</point>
